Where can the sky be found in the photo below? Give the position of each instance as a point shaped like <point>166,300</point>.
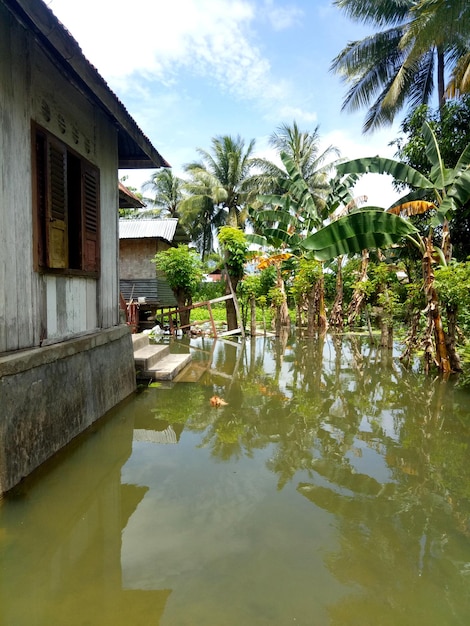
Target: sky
<point>191,70</point>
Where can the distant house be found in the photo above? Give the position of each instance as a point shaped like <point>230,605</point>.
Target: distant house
<point>139,241</point>
<point>65,359</point>
<point>128,199</point>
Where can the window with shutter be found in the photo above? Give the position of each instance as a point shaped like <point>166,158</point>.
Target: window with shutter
<point>67,207</point>
<point>56,207</point>
<point>90,214</point>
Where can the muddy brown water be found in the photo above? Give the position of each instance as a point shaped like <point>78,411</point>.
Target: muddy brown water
<point>333,488</point>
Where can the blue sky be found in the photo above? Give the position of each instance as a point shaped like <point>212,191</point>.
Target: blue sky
<point>188,70</point>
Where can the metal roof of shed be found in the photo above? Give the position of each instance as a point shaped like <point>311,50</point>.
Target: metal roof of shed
<point>144,229</point>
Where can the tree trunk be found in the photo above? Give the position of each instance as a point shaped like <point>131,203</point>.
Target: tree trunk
<point>337,317</point>
<point>411,339</point>
<point>253,316</point>
<point>359,296</point>
<point>282,319</point>
<point>311,312</point>
<point>231,312</point>
<point>434,326</point>
<point>183,301</point>
<point>440,79</point>
<point>322,322</point>
<point>451,339</point>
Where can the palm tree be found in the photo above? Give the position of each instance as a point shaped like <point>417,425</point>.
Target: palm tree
<point>227,170</point>
<point>201,211</point>
<point>167,192</point>
<point>296,195</point>
<point>395,66</point>
<point>303,149</point>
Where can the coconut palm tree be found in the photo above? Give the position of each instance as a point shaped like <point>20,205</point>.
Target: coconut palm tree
<point>201,210</point>
<point>167,192</point>
<point>313,164</point>
<point>395,67</point>
<point>227,169</point>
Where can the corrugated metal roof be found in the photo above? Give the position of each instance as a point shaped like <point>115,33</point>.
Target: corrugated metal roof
<point>140,229</point>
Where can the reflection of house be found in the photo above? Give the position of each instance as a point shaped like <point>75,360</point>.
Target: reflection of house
<point>65,555</point>
<point>156,431</point>
<point>139,241</point>
<point>64,358</point>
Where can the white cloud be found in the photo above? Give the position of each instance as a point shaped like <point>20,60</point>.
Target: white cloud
<point>299,115</point>
<point>211,38</point>
<point>282,18</point>
<point>151,36</point>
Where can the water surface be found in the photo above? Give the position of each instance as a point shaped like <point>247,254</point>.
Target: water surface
<point>332,489</point>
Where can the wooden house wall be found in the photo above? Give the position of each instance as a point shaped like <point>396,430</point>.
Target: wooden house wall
<point>37,307</point>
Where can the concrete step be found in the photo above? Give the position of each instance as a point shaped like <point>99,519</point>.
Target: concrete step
<point>139,340</point>
<point>148,356</point>
<point>168,367</point>
<point>155,360</point>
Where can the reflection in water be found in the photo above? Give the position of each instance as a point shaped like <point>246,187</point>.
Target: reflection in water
<point>333,488</point>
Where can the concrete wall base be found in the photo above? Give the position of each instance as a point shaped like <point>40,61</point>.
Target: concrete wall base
<point>50,395</point>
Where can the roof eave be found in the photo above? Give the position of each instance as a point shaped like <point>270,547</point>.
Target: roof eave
<point>135,150</point>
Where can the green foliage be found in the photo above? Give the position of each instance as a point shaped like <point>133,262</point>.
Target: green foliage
<point>166,190</point>
<point>235,247</point>
<point>276,296</point>
<point>209,291</point>
<point>267,279</point>
<point>451,126</point>
<point>350,273</point>
<point>182,268</point>
<point>250,287</point>
<point>453,287</point>
<point>223,175</point>
<point>307,275</point>
<point>393,68</point>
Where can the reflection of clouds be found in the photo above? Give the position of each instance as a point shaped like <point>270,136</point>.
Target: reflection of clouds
<point>187,521</point>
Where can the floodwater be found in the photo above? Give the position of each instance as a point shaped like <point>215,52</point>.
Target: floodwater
<point>332,489</point>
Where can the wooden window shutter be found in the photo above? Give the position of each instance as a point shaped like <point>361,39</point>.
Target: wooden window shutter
<point>56,206</point>
<point>40,170</point>
<point>91,218</point>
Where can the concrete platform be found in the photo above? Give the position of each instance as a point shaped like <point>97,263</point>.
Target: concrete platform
<point>155,361</point>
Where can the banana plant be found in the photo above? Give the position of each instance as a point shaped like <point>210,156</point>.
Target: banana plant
<point>376,228</point>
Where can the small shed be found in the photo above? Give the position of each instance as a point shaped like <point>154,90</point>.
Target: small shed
<point>139,281</point>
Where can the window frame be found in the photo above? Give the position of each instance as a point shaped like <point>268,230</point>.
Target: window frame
<point>66,208</point>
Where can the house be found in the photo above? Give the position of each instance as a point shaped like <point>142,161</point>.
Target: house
<point>65,358</point>
<point>128,199</point>
<point>139,241</point>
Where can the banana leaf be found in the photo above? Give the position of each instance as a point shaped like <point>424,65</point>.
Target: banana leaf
<point>382,165</point>
<point>457,195</point>
<point>356,232</point>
